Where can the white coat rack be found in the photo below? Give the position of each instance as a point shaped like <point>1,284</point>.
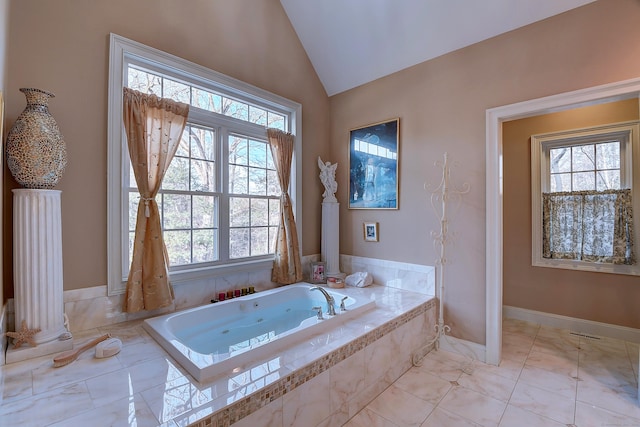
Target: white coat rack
<point>440,199</point>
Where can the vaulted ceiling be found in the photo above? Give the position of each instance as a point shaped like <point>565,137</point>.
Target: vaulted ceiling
<point>352,42</point>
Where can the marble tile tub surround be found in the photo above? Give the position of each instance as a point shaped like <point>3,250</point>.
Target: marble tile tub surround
<point>92,308</point>
<point>336,373</point>
<point>401,275</point>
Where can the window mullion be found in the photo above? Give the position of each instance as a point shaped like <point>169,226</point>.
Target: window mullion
<point>191,226</point>
<point>223,183</point>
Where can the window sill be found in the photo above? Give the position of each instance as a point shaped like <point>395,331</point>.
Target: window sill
<point>591,267</point>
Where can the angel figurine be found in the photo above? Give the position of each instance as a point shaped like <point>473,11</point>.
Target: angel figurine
<point>328,178</point>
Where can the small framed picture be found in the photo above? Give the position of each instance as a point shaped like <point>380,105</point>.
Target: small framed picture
<point>317,274</point>
<point>370,230</point>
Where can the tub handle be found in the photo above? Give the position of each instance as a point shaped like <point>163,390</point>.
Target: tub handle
<point>342,307</point>
<point>319,310</point>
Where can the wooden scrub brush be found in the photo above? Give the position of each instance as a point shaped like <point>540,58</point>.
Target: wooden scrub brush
<point>69,356</point>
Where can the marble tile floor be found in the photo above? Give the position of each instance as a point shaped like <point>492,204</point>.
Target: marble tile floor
<point>547,378</point>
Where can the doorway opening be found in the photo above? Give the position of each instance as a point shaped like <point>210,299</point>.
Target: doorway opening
<point>494,181</point>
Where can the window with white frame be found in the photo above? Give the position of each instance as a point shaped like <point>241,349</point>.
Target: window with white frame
<point>582,199</point>
<point>219,200</point>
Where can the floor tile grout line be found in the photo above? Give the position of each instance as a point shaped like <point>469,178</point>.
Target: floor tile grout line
<point>453,385</point>
<point>380,415</point>
<point>633,368</point>
<point>519,375</point>
<point>80,381</point>
<point>575,400</point>
<point>519,380</point>
<point>419,397</point>
<point>579,380</point>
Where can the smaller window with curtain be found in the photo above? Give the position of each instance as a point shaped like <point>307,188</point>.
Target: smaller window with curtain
<point>583,194</point>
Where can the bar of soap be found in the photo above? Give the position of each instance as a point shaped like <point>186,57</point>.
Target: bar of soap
<point>108,348</point>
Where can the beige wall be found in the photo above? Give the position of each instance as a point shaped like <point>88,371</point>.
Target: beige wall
<point>4,36</point>
<point>442,104</point>
<point>251,40</point>
<point>4,39</point>
<point>607,298</point>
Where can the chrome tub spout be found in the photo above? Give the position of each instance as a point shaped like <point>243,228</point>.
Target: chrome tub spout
<point>330,301</point>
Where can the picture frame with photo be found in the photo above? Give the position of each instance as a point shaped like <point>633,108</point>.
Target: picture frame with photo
<point>370,231</point>
<point>317,272</point>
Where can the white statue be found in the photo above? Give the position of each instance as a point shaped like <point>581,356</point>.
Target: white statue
<point>328,178</point>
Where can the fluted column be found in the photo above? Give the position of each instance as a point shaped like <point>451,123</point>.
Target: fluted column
<point>37,262</point>
<point>330,243</point>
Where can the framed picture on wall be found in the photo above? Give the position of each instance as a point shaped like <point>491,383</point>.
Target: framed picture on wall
<point>370,230</point>
<point>373,166</point>
<point>317,273</point>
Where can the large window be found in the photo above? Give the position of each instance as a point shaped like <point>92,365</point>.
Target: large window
<point>582,187</point>
<point>219,200</point>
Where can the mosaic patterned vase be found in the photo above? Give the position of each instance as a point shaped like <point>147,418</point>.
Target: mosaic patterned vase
<point>36,152</point>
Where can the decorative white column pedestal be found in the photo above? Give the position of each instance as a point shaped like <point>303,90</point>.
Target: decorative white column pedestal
<point>330,244</point>
<point>37,272</point>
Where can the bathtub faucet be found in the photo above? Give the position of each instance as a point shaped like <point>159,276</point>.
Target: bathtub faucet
<point>330,301</point>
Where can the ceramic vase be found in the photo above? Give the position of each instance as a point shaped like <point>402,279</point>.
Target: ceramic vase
<point>36,152</point>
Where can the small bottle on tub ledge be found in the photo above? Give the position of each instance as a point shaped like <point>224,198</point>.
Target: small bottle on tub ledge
<point>235,293</point>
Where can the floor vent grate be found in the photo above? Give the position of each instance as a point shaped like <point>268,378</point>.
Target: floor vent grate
<point>584,335</point>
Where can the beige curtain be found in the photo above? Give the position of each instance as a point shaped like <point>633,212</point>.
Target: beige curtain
<point>287,268</point>
<point>154,127</point>
<point>594,226</point>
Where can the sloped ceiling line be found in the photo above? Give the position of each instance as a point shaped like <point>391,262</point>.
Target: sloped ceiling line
<point>353,42</point>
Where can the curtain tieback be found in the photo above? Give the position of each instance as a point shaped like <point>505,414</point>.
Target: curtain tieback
<point>146,205</point>
<point>285,200</point>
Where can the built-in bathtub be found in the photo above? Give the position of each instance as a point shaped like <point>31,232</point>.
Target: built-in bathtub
<point>219,338</point>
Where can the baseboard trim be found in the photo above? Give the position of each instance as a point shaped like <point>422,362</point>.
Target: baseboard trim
<point>573,324</point>
<point>463,347</point>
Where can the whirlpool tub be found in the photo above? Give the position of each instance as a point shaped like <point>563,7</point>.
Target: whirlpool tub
<point>215,339</point>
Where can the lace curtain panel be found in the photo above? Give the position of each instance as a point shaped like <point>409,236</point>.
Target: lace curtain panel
<point>287,267</point>
<point>594,226</point>
<point>153,127</point>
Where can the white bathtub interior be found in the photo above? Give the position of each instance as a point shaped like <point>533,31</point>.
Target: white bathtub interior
<point>221,338</point>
